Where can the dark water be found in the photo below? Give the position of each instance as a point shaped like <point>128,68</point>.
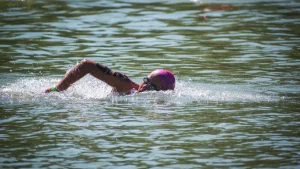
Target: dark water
<point>236,102</point>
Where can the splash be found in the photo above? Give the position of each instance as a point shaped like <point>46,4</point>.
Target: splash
<point>89,88</point>
<point>31,90</point>
<point>222,93</point>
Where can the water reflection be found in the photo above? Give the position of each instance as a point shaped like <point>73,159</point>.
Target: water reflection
<point>235,104</point>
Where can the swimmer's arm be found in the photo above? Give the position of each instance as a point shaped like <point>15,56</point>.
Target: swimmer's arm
<point>90,67</point>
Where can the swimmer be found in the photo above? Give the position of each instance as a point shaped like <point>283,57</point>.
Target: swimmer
<point>157,80</point>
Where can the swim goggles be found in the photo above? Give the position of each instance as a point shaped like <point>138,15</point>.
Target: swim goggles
<point>151,86</point>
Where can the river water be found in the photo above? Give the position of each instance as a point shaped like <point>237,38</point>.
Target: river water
<point>235,105</point>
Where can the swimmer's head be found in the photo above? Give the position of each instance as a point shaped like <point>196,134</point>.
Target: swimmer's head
<point>158,80</point>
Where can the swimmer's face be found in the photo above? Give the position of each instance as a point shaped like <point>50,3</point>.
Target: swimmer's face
<point>149,84</point>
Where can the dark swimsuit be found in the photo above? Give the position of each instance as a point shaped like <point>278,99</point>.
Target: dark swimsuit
<point>108,71</point>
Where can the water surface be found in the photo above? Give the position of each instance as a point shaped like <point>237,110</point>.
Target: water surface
<point>235,105</point>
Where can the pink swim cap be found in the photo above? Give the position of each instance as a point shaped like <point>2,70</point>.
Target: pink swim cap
<point>166,79</point>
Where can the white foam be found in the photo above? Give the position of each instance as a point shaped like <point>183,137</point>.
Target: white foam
<point>31,89</point>
<point>89,88</point>
<point>221,93</point>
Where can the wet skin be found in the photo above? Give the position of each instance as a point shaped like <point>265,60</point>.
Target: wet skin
<point>89,67</point>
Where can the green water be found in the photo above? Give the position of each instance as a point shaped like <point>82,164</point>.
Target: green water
<point>235,105</point>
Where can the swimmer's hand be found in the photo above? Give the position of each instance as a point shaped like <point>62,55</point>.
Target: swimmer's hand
<point>48,90</point>
<point>51,89</point>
